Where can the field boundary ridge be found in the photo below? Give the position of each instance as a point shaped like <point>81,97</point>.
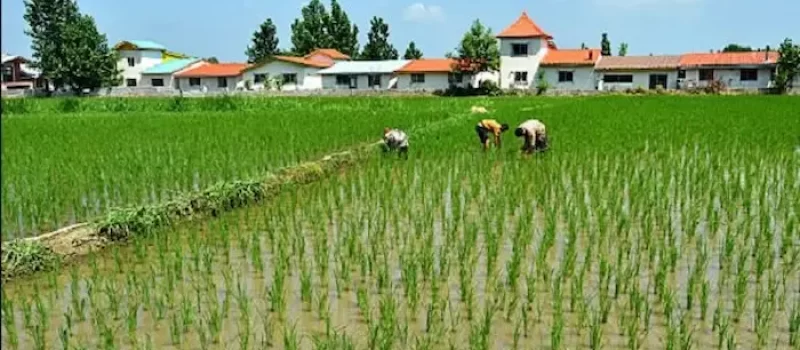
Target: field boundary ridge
<point>24,256</point>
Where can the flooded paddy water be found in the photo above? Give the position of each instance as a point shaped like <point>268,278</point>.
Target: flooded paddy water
<point>684,248</point>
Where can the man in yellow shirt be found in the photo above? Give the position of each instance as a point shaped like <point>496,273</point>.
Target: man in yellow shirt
<point>487,126</point>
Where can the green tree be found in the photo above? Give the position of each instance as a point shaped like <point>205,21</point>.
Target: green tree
<point>737,48</point>
<point>343,34</point>
<point>788,65</point>
<point>310,32</point>
<point>623,49</point>
<point>605,45</point>
<point>378,46</point>
<point>212,59</point>
<point>68,48</point>
<point>583,46</point>
<point>47,21</point>
<point>88,60</point>
<point>412,52</point>
<point>477,51</point>
<point>265,42</point>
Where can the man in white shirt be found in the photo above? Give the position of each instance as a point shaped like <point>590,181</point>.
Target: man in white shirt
<point>395,139</point>
<point>535,135</point>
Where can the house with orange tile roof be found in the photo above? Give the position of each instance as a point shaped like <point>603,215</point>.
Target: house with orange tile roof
<point>523,46</point>
<point>736,70</point>
<point>570,69</point>
<point>210,77</point>
<point>293,73</point>
<point>631,72</point>
<point>431,74</point>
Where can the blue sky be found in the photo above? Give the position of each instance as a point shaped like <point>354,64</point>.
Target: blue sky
<point>209,28</point>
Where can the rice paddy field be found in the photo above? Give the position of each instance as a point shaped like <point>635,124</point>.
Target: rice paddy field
<point>658,222</point>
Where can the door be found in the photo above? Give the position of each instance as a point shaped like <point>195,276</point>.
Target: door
<point>658,79</point>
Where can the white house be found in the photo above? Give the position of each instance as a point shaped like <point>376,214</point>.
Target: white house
<point>295,73</point>
<point>135,57</point>
<point>631,72</point>
<point>163,74</point>
<point>736,70</point>
<point>523,46</point>
<point>570,70</point>
<point>431,74</point>
<point>210,77</point>
<point>362,74</point>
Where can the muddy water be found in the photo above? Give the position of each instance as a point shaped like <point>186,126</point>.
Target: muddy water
<point>178,287</point>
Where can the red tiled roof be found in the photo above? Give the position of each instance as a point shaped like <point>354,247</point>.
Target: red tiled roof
<point>729,58</point>
<point>214,70</point>
<point>524,27</point>
<point>428,65</point>
<point>638,62</point>
<point>572,57</point>
<point>303,61</point>
<point>332,53</point>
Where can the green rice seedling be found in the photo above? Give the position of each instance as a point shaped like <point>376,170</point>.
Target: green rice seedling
<point>362,299</point>
<point>323,304</point>
<point>132,323</point>
<point>175,329</point>
<point>596,331</point>
<point>290,338</point>
<point>794,325</point>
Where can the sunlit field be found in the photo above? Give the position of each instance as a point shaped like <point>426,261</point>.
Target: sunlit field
<point>656,222</point>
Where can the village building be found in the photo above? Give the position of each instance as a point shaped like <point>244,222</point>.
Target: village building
<point>431,74</point>
<point>362,74</point>
<point>634,72</point>
<point>211,77</point>
<point>293,73</point>
<point>570,70</point>
<point>735,70</point>
<point>163,74</point>
<point>18,75</point>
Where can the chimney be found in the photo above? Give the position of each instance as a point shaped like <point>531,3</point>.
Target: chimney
<point>766,54</point>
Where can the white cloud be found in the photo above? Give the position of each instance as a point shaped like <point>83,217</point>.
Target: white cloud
<point>419,12</point>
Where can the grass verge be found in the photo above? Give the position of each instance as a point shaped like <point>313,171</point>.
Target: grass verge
<point>25,256</point>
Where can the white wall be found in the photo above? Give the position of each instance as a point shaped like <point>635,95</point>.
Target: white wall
<point>209,83</point>
<point>433,81</point>
<point>307,77</point>
<point>143,59</point>
<point>329,81</point>
<point>147,79</point>
<point>537,49</point>
<point>583,78</point>
<point>640,79</point>
<point>730,77</point>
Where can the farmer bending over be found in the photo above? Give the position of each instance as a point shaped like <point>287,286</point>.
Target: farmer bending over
<point>395,139</point>
<point>534,134</point>
<point>487,126</point>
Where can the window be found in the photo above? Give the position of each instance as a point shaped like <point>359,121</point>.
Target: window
<point>343,80</point>
<point>130,82</point>
<point>374,80</point>
<point>565,77</point>
<point>457,78</point>
<point>748,75</point>
<point>290,78</point>
<point>222,82</point>
<point>194,81</point>
<point>157,82</point>
<point>259,78</point>
<point>131,61</point>
<point>8,73</point>
<point>417,78</point>
<point>618,78</point>
<point>681,74</point>
<point>520,77</point>
<point>519,49</point>
<point>706,74</point>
